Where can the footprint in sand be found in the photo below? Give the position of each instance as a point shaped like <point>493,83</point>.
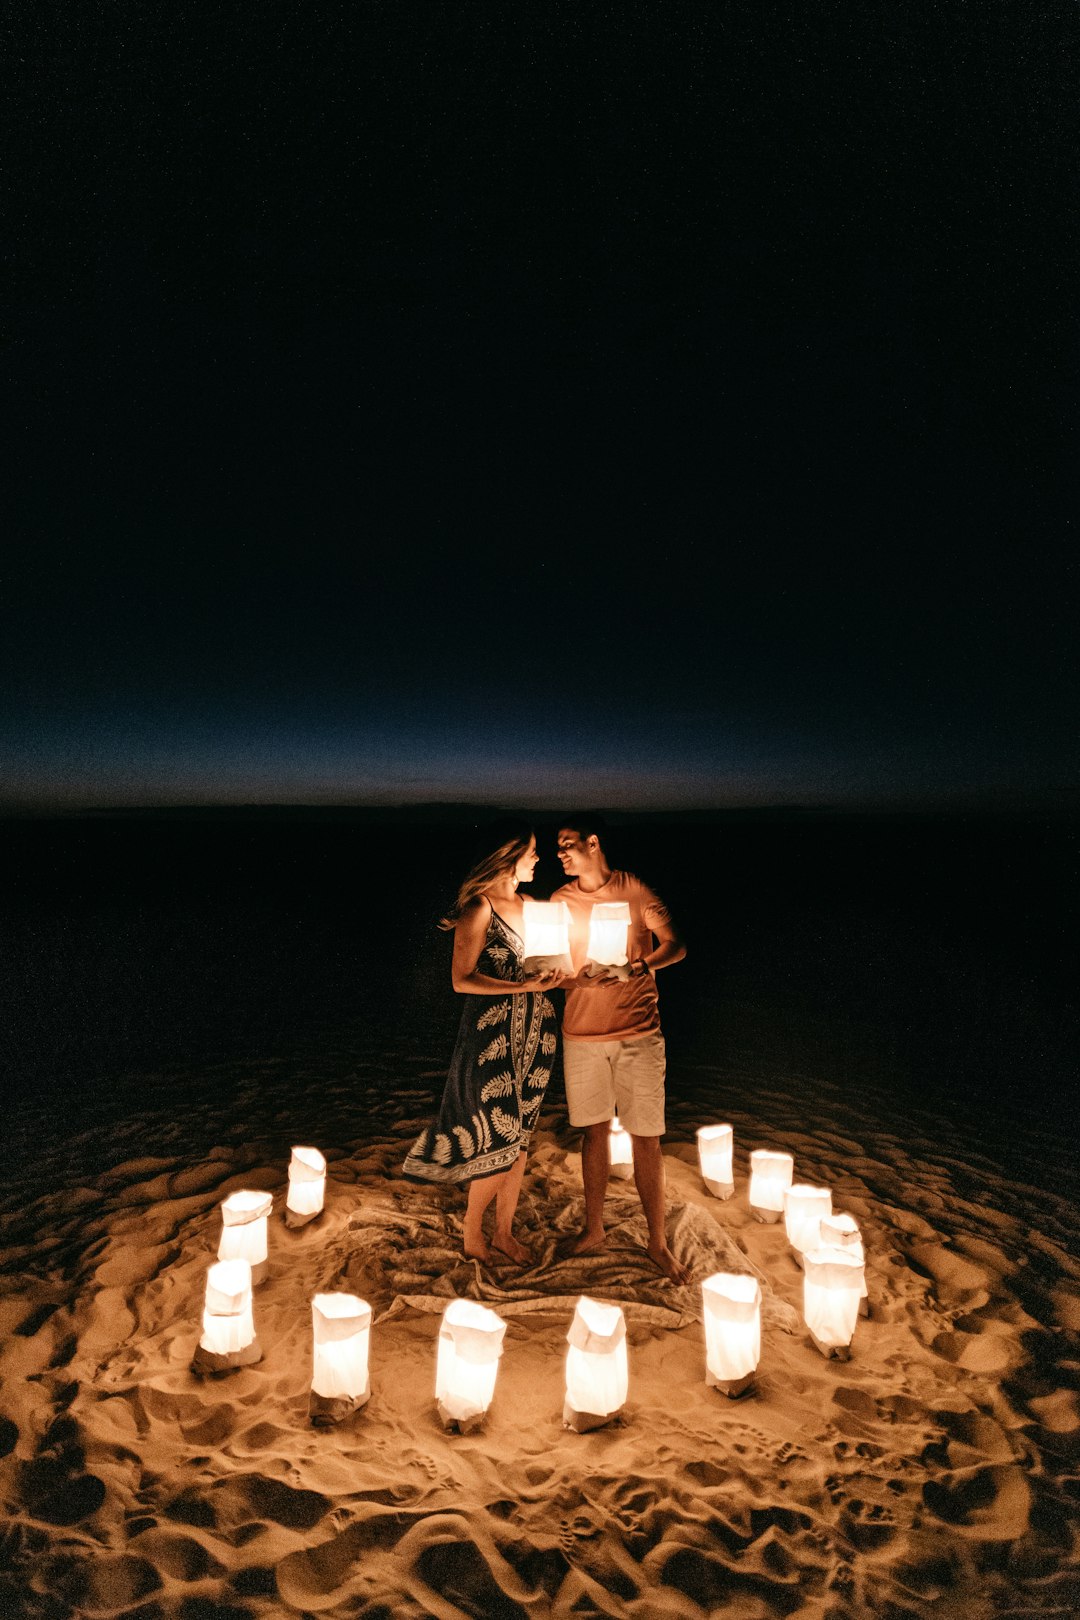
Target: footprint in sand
<point>867,1524</point>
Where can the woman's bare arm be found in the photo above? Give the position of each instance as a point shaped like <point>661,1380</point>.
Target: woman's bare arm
<point>470,932</point>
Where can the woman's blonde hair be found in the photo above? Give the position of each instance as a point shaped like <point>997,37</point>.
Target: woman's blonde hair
<point>514,839</point>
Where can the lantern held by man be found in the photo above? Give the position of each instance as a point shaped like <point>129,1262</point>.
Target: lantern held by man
<point>842,1232</point>
<point>228,1324</point>
<point>832,1288</point>
<point>470,1344</point>
<point>770,1178</point>
<point>546,940</point>
<point>307,1186</point>
<point>596,1367</point>
<point>804,1210</point>
<point>609,930</point>
<point>621,1152</point>
<point>341,1333</point>
<point>732,1312</point>
<point>243,1231</point>
<point>715,1145</point>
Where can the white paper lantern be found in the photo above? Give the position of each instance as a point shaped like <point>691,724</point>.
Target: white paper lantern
<point>804,1209</point>
<point>609,928</point>
<point>715,1146</point>
<point>307,1186</point>
<point>832,1288</point>
<point>596,1367</point>
<point>341,1334</point>
<point>243,1231</point>
<point>546,941</point>
<point>842,1232</point>
<point>621,1152</point>
<point>732,1312</point>
<point>470,1344</point>
<point>770,1178</point>
<point>228,1324</point>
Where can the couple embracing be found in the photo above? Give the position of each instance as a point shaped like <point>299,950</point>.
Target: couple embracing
<point>613,1051</point>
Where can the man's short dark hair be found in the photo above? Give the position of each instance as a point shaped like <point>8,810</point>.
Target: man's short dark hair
<point>587,824</point>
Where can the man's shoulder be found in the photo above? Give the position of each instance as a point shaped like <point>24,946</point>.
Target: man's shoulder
<point>565,890</point>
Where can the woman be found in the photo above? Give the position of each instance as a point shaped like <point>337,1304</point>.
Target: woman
<point>504,1053</point>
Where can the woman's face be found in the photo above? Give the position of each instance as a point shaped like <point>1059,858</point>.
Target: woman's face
<point>526,863</point>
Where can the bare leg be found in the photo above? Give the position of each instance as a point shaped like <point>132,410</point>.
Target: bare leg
<point>505,1204</point>
<point>481,1192</point>
<point>649,1179</point>
<point>595,1169</point>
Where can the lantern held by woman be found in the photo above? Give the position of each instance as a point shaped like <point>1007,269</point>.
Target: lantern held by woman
<point>597,1375</point>
<point>732,1311</point>
<point>470,1344</point>
<point>341,1334</point>
<point>546,941</point>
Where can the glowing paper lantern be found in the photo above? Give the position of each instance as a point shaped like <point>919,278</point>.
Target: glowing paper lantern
<point>547,937</point>
<point>770,1178</point>
<point>470,1344</point>
<point>596,1366</point>
<point>732,1331</point>
<point>341,1330</point>
<point>621,1150</point>
<point>307,1186</point>
<point>715,1144</point>
<point>804,1210</point>
<point>842,1232</point>
<point>243,1231</point>
<point>609,927</point>
<point>228,1325</point>
<point>832,1287</point>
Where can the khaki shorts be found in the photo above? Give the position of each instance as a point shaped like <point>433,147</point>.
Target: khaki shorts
<point>616,1077</point>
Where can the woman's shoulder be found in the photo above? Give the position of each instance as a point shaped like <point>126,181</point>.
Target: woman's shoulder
<point>476,910</point>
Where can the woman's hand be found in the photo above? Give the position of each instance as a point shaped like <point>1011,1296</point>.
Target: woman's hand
<point>548,980</point>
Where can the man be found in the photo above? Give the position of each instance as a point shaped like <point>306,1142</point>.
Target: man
<point>613,1050</point>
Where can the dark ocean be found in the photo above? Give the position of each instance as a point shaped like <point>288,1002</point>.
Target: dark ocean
<point>924,958</point>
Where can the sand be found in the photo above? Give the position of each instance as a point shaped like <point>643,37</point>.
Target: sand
<point>934,1473</point>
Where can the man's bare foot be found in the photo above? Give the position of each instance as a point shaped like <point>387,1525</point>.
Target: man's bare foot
<point>508,1245</point>
<point>587,1243</point>
<point>669,1265</point>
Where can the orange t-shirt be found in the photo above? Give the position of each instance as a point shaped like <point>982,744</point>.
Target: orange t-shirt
<point>629,1008</point>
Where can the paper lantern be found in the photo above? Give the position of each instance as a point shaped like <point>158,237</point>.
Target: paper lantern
<point>832,1288</point>
<point>341,1333</point>
<point>732,1312</point>
<point>804,1209</point>
<point>596,1367</point>
<point>470,1344</point>
<point>621,1152</point>
<point>609,928</point>
<point>842,1232</point>
<point>546,939</point>
<point>228,1325</point>
<point>770,1178</point>
<point>243,1231</point>
<point>715,1144</point>
<point>307,1186</point>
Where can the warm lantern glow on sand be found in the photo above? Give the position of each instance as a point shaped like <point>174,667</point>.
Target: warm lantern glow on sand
<point>228,1325</point>
<point>470,1344</point>
<point>770,1178</point>
<point>597,1374</point>
<point>804,1210</point>
<point>832,1289</point>
<point>842,1232</point>
<point>243,1232</point>
<point>546,938</point>
<point>715,1145</point>
<point>307,1186</point>
<point>621,1150</point>
<point>341,1334</point>
<point>732,1313</point>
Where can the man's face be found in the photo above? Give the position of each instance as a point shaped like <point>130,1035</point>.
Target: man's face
<point>574,851</point>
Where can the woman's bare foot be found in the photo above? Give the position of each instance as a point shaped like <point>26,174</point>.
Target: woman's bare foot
<point>507,1244</point>
<point>588,1242</point>
<point>478,1249</point>
<point>669,1265</point>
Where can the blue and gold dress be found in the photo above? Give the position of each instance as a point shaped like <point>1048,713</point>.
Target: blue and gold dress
<point>498,1074</point>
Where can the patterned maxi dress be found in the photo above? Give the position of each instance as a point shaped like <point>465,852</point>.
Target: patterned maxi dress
<point>498,1074</point>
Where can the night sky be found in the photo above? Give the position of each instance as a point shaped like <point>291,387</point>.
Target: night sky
<point>649,404</point>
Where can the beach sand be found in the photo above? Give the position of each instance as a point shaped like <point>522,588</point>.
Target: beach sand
<point>934,1473</point>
